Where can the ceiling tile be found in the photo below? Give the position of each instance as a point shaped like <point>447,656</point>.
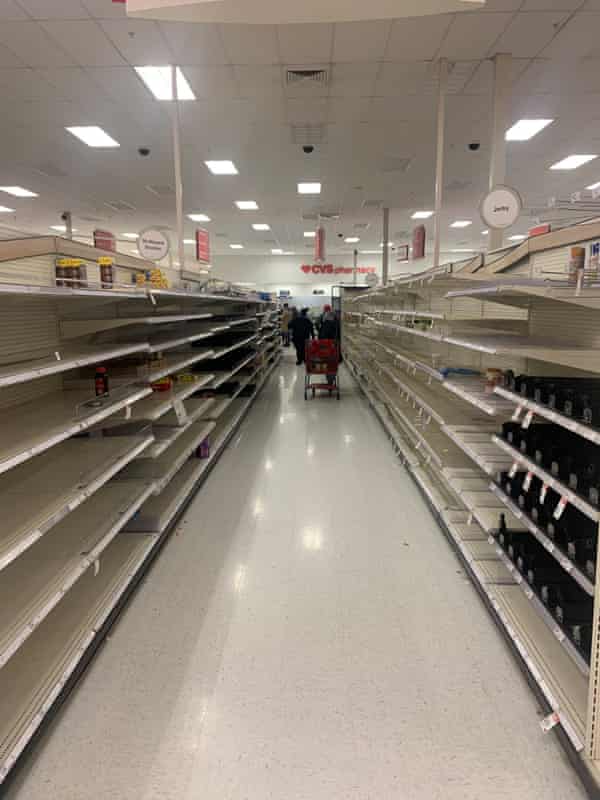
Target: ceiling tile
<point>85,41</point>
<point>8,58</point>
<point>482,80</point>
<point>195,44</point>
<point>10,10</point>
<point>410,109</point>
<point>306,111</point>
<point>360,41</point>
<point>353,80</point>
<point>529,33</point>
<point>305,44</point>
<point>471,36</point>
<point>259,80</point>
<point>409,78</point>
<point>251,44</point>
<point>342,109</point>
<point>36,48</point>
<point>55,9</point>
<point>416,38</point>
<point>25,84</point>
<point>212,82</point>
<point>577,39</point>
<point>100,9</point>
<point>550,5</point>
<point>140,42</point>
<point>72,83</point>
<point>123,86</point>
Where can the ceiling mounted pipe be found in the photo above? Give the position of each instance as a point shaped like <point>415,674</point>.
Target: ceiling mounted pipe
<point>285,11</point>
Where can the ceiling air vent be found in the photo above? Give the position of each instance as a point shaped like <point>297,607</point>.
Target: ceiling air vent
<point>293,77</point>
<point>161,191</point>
<point>309,133</point>
<point>119,205</point>
<point>457,185</point>
<point>373,204</point>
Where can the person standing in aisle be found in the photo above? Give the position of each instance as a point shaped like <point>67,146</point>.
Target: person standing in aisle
<point>286,318</point>
<point>302,330</point>
<point>329,329</point>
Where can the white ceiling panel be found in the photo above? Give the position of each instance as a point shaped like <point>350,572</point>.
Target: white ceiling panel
<point>55,9</point>
<point>72,83</point>
<point>472,36</point>
<point>10,10</point>
<point>195,44</point>
<point>353,80</point>
<point>123,86</point>
<point>344,109</point>
<point>212,82</point>
<point>259,80</point>
<point>550,5</point>
<point>416,38</point>
<point>409,108</point>
<point>529,33</point>
<point>8,58</point>
<point>303,111</point>
<point>25,84</point>
<point>85,41</point>
<point>34,45</point>
<point>360,41</point>
<point>482,79</point>
<point>140,42</point>
<point>305,44</point>
<point>577,39</point>
<point>251,44</point>
<point>100,9</point>
<point>397,79</point>
<point>569,79</point>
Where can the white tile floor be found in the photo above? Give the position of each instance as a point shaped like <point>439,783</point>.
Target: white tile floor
<point>307,635</point>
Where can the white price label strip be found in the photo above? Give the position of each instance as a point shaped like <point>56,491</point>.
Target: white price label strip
<point>549,722</point>
<point>527,420</point>
<point>543,492</point>
<point>513,470</point>
<point>180,412</point>
<point>562,504</point>
<point>527,481</point>
<point>517,413</point>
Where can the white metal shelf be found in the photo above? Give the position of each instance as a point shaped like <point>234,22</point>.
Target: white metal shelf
<point>34,677</point>
<point>476,442</point>
<point>187,335</point>
<point>31,428</point>
<point>569,566</point>
<point>74,328</point>
<point>580,428</point>
<point>222,376</point>
<point>473,390</point>
<point>218,353</point>
<point>40,493</point>
<point>65,359</point>
<point>156,404</point>
<point>37,581</point>
<point>167,434</point>
<point>530,466</point>
<point>179,361</point>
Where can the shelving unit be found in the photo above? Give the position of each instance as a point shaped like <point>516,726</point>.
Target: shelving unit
<point>426,351</point>
<point>80,472</point>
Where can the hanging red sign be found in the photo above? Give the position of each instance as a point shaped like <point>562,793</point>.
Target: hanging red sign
<point>105,240</point>
<point>202,246</point>
<point>418,242</point>
<point>320,244</point>
<point>329,269</point>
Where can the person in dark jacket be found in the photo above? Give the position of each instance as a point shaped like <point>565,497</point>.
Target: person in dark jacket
<point>302,330</point>
<point>330,327</point>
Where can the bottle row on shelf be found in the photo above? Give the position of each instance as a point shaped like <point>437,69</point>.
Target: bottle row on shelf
<point>578,398</point>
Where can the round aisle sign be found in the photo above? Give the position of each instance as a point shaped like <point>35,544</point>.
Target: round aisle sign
<point>371,279</point>
<point>501,207</point>
<point>153,244</point>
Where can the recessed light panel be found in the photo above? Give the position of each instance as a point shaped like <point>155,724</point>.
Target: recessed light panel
<point>62,228</point>
<point>352,239</point>
<point>422,215</point>
<point>309,188</point>
<point>309,234</point>
<point>517,237</point>
<point>261,226</point>
<point>222,167</point>
<point>160,82</point>
<point>526,129</point>
<point>593,186</point>
<point>131,235</point>
<point>199,217</point>
<point>276,251</point>
<point>6,210</point>
<point>573,162</point>
<point>461,223</point>
<point>18,191</point>
<point>93,136</point>
<point>236,246</point>
<point>247,205</point>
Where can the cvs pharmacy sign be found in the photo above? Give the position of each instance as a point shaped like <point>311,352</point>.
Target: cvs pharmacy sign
<point>329,269</point>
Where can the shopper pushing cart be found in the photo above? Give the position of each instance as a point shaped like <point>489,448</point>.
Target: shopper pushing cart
<point>323,356</point>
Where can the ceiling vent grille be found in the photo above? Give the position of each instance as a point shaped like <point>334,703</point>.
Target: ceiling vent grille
<point>161,191</point>
<point>373,204</point>
<point>361,226</point>
<point>119,205</point>
<point>293,77</point>
<point>309,133</point>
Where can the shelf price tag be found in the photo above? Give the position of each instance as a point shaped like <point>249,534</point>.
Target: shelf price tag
<point>527,481</point>
<point>549,722</point>
<point>527,420</point>
<point>562,504</point>
<point>513,470</point>
<point>543,492</point>
<point>180,412</point>
<point>517,413</point>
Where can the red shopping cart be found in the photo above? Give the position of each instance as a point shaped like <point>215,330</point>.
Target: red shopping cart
<point>322,357</point>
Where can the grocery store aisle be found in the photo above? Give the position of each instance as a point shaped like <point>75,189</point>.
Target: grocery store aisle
<point>307,634</point>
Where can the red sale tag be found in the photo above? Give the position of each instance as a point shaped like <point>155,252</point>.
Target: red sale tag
<point>543,492</point>
<point>558,511</point>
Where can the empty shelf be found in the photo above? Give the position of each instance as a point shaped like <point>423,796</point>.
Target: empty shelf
<point>36,582</point>
<point>180,360</point>
<point>38,494</point>
<point>167,434</point>
<point>33,678</point>
<point>73,328</point>
<point>156,404</point>
<point>477,443</point>
<point>31,428</point>
<point>221,351</point>
<point>222,376</point>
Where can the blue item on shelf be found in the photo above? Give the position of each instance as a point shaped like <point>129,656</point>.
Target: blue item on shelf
<point>445,371</point>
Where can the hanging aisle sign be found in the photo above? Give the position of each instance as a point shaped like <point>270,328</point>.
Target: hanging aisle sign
<point>418,242</point>
<point>320,244</point>
<point>202,246</point>
<point>153,244</point>
<point>501,207</point>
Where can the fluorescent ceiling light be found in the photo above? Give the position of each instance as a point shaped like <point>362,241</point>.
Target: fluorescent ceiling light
<point>93,136</point>
<point>247,205</point>
<point>309,188</point>
<point>572,162</point>
<point>485,232</point>
<point>461,223</point>
<point>277,251</point>
<point>518,237</point>
<point>462,250</point>
<point>236,246</point>
<point>371,252</point>
<point>189,241</point>
<point>352,239</point>
<point>199,217</point>
<point>61,228</point>
<point>593,186</point>
<point>222,167</point>
<point>389,244</point>
<point>422,215</point>
<point>160,82</point>
<point>289,253</point>
<point>261,226</point>
<point>309,234</point>
<point>131,235</point>
<point>526,129</point>
<point>6,210</point>
<point>18,191</point>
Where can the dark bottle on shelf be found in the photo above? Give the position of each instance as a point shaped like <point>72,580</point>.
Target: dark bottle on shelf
<point>573,605</point>
<point>101,381</point>
<point>581,634</point>
<point>510,430</point>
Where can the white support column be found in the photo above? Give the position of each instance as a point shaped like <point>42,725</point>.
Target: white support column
<point>385,261</point>
<point>502,66</point>
<point>355,273</point>
<point>176,127</point>
<point>439,158</point>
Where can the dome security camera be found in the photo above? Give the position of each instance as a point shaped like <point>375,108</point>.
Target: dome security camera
<point>474,146</point>
<point>308,149</point>
<point>144,151</point>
